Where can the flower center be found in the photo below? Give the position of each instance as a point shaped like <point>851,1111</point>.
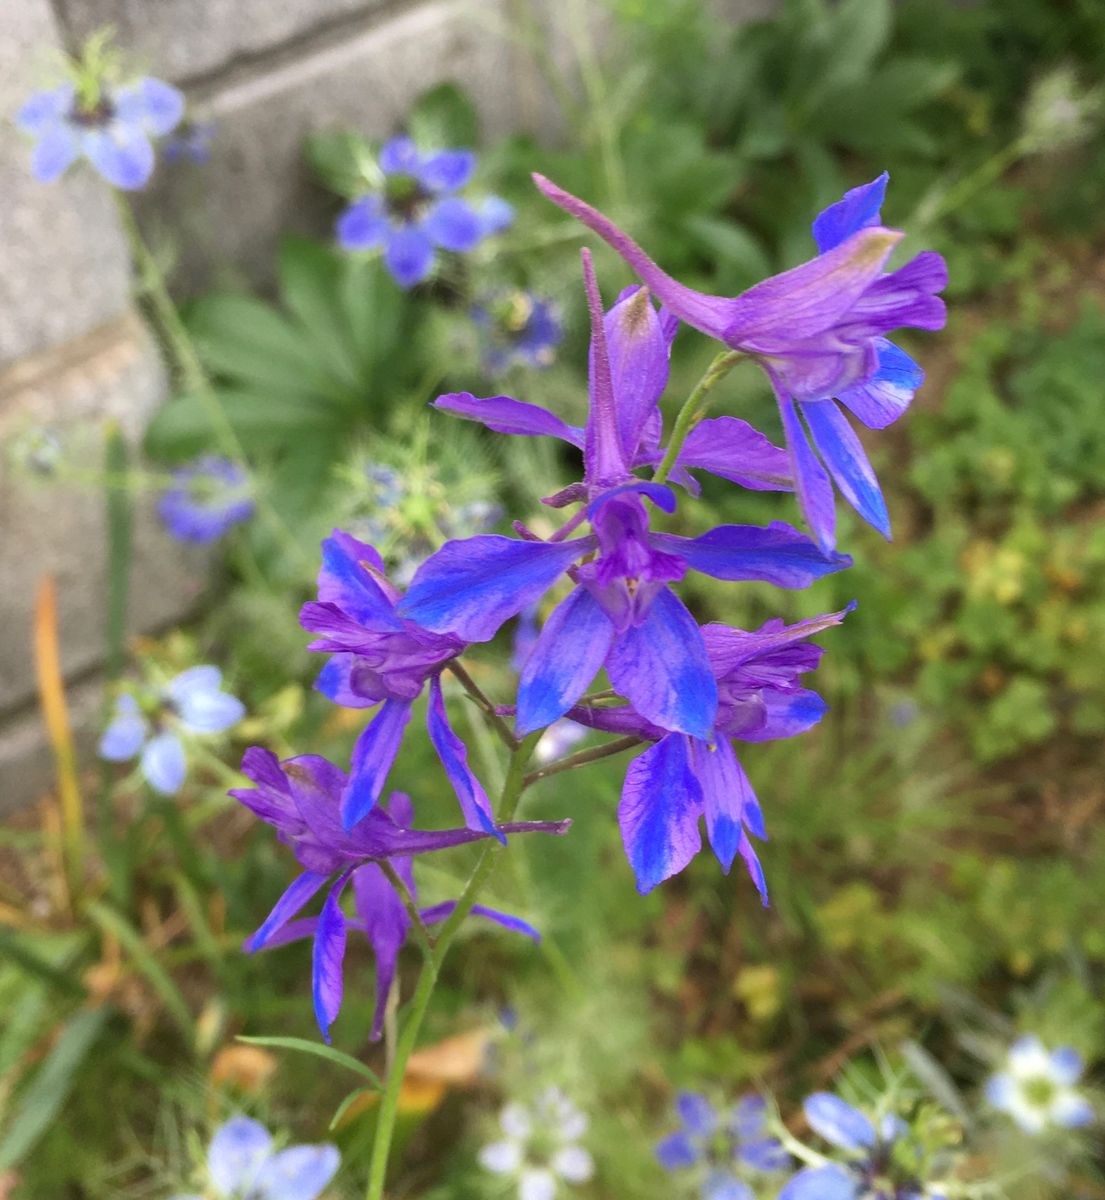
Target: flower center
<point>405,198</point>
<point>1039,1092</point>
<point>92,116</point>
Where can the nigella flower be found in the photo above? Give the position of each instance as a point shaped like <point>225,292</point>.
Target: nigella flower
<point>540,1146</point>
<point>205,499</point>
<point>1037,1087</point>
<point>243,1164</point>
<point>193,702</point>
<point>818,331</point>
<point>517,328</point>
<point>381,657</point>
<point>721,1144</point>
<point>682,779</point>
<point>301,799</point>
<point>622,613</point>
<point>417,211</point>
<point>113,129</point>
<point>879,1164</point>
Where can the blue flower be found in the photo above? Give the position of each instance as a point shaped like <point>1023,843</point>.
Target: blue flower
<point>721,1144</point>
<point>114,135</point>
<point>205,499</point>
<point>517,328</point>
<point>1037,1087</point>
<point>194,702</point>
<point>417,211</point>
<point>301,798</point>
<point>879,1164</point>
<point>242,1164</point>
<point>191,143</point>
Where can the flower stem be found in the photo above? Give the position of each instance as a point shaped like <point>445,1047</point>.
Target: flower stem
<point>484,704</point>
<point>582,758</point>
<point>420,1001</point>
<point>694,409</point>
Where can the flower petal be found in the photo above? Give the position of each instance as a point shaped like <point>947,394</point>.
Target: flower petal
<point>501,1158</point>
<point>295,896</point>
<point>363,225</point>
<point>857,210</point>
<point>151,104</point>
<point>453,224</point>
<point>471,587</point>
<point>495,215</point>
<point>58,147</point>
<point>453,753</point>
<point>815,492</point>
<point>236,1154</point>
<point>887,394</point>
<point>776,554</point>
<point>45,108</point>
<point>731,449</point>
<point>838,1122</point>
<point>573,1164</point>
<point>726,792</point>
<point>351,578</point>
<point>327,959</point>
<point>821,1183</point>
<point>163,763</point>
<point>698,1115</point>
<point>373,756</point>
<point>124,157</point>
<point>503,414</point>
<point>447,170</point>
<point>845,457</point>
<point>639,351</point>
<point>1066,1066</point>
<point>386,923</point>
<point>677,1152</point>
<point>658,814</point>
<point>567,655</point>
<point>661,668</point>
<point>298,1173</point>
<point>399,156</point>
<point>123,738</point>
<point>409,255</point>
<point>537,1183</point>
<point>721,1185</point>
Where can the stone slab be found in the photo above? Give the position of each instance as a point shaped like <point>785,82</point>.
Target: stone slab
<point>227,215</point>
<point>63,262</point>
<point>49,526</point>
<point>182,39</point>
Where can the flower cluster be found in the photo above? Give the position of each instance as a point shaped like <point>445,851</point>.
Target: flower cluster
<point>540,1147</point>
<point>156,724</point>
<point>417,211</point>
<point>517,329</point>
<point>205,499</point>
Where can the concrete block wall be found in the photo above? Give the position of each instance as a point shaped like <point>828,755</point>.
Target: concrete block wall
<point>73,352</point>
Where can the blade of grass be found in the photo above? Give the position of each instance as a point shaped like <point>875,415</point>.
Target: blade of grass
<point>55,712</point>
<point>320,1050</point>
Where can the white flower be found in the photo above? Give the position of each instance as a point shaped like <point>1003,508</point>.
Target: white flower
<point>540,1146</point>
<point>1037,1087</point>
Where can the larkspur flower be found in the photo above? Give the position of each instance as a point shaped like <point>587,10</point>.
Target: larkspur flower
<point>192,703</point>
<point>722,1146</point>
<point>418,212</point>
<point>818,331</point>
<point>1037,1087</point>
<point>517,328</point>
<point>301,798</point>
<point>622,613</point>
<point>380,657</point>
<point>879,1164</point>
<point>681,779</point>
<point>205,499</point>
<point>540,1148</point>
<point>114,132</point>
<point>243,1164</point>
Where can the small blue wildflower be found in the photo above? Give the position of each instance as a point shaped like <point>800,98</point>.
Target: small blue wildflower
<point>879,1164</point>
<point>721,1144</point>
<point>191,143</point>
<point>113,132</point>
<point>1037,1087</point>
<point>242,1164</point>
<point>540,1148</point>
<point>205,499</point>
<point>517,328</point>
<point>417,211</point>
<point>193,702</point>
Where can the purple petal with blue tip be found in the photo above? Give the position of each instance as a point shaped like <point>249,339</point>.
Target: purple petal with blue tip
<point>726,792</point>
<point>811,482</point>
<point>887,394</point>
<point>471,587</point>
<point>565,658</point>
<point>298,892</point>
<point>843,454</point>
<point>857,210</point>
<point>373,756</point>
<point>661,668</point>
<point>658,813</point>
<point>454,758</point>
<point>776,554</point>
<point>327,958</point>
<point>351,578</point>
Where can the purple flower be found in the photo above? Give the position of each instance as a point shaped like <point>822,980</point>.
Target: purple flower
<point>114,133</point>
<point>191,143</point>
<point>243,1164</point>
<point>622,614</point>
<point>417,212</point>
<point>880,1164</point>
<point>381,657</point>
<point>517,328</point>
<point>681,779</point>
<point>194,702</point>
<point>301,798</point>
<point>818,331</point>
<point>723,1144</point>
<point>205,499</point>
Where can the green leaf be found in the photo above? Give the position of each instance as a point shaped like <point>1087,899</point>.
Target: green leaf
<point>444,118</point>
<point>42,1098</point>
<point>341,159</point>
<point>145,963</point>
<point>344,1106</point>
<point>319,1050</point>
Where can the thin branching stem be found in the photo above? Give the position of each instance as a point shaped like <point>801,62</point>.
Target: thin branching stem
<point>595,754</point>
<point>476,692</point>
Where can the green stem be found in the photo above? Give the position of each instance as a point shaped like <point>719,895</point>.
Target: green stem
<point>934,207</point>
<point>486,707</point>
<point>424,990</point>
<point>583,757</point>
<point>694,409</point>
